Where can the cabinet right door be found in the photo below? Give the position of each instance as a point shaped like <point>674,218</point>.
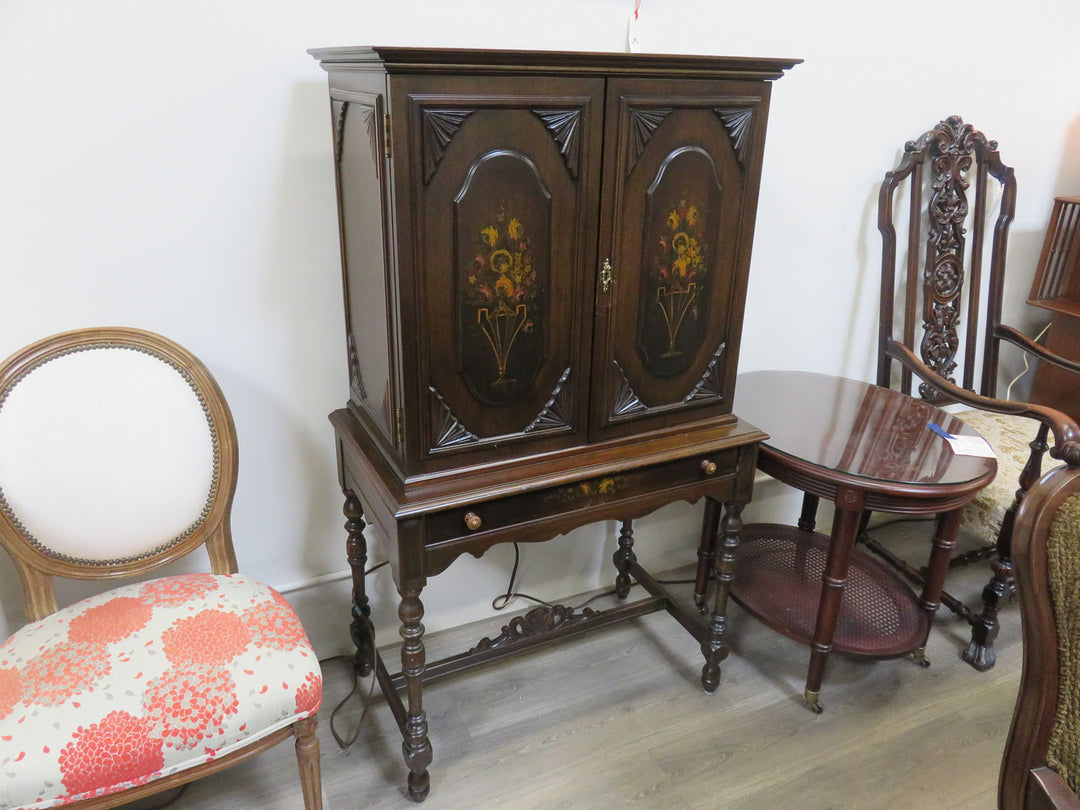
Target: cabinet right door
<point>682,164</point>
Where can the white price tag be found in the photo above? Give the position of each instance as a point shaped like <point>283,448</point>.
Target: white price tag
<point>633,34</point>
<point>964,445</point>
<point>971,446</point>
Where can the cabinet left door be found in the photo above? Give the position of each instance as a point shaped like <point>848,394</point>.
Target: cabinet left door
<point>361,170</point>
<point>501,181</point>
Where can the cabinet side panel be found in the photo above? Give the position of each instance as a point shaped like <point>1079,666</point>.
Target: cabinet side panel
<point>360,171</point>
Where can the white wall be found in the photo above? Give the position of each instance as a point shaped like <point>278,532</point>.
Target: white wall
<point>167,165</point>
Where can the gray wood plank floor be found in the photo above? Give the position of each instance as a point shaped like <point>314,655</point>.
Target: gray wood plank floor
<point>617,718</point>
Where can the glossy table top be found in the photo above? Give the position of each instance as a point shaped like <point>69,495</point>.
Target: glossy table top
<point>855,428</point>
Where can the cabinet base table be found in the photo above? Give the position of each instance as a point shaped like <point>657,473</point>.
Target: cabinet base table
<point>429,522</point>
<point>864,448</point>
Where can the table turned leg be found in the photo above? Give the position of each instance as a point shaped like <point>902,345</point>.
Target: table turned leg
<point>361,631</point>
<point>833,580</point>
<point>808,516</point>
<point>624,558</point>
<point>415,747</point>
<point>706,552</point>
<point>715,648</point>
<point>945,529</point>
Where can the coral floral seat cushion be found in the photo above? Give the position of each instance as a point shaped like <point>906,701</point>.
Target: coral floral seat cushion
<point>146,680</point>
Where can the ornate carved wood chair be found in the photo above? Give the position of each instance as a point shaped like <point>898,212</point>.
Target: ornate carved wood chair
<point>118,455</point>
<point>940,319</point>
<point>1041,765</point>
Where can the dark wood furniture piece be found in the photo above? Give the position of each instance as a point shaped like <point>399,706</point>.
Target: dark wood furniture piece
<point>940,320</point>
<point>545,262</point>
<point>862,447</point>
<point>1040,769</point>
<point>1056,288</point>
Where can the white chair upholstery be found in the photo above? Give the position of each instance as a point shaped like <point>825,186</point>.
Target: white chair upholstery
<point>126,485</point>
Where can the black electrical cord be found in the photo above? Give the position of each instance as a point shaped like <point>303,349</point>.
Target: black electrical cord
<point>344,744</point>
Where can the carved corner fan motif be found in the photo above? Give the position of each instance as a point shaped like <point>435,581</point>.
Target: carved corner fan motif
<point>626,401</point>
<point>439,128</point>
<point>341,110</point>
<point>355,380</point>
<point>565,128</point>
<point>643,123</point>
<point>554,413</point>
<point>447,431</point>
<point>369,117</point>
<point>710,386</point>
<point>737,123</point>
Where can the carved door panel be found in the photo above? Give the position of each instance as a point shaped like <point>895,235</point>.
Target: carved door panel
<point>675,247</point>
<point>506,190</point>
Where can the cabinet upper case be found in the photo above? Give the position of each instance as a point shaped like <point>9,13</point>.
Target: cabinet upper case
<point>542,251</point>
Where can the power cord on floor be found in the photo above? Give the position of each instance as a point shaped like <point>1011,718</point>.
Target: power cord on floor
<point>500,602</point>
<point>345,744</point>
<point>504,600</point>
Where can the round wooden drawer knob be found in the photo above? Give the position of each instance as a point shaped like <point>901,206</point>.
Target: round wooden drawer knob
<point>472,521</point>
<point>708,467</point>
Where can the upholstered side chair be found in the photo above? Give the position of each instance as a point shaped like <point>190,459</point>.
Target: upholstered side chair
<point>944,214</point>
<point>118,455</point>
<point>1041,765</point>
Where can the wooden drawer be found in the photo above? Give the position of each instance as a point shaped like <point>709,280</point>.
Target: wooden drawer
<point>543,513</point>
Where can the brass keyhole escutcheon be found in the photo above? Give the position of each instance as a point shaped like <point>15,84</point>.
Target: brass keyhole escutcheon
<point>607,275</point>
<point>708,467</point>
<point>472,521</point>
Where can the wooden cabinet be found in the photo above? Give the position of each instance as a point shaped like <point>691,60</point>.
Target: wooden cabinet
<point>542,251</point>
<point>545,263</point>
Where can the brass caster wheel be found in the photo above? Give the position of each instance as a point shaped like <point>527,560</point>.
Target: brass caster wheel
<point>919,657</point>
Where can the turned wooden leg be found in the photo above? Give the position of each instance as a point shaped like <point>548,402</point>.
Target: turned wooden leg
<point>833,581</point>
<point>706,552</point>
<point>984,627</point>
<point>362,631</point>
<point>623,558</point>
<point>307,757</point>
<point>715,648</point>
<point>945,529</point>
<point>416,748</point>
<point>808,516</point>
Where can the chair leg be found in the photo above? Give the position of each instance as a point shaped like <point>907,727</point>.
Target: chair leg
<point>984,627</point>
<point>307,757</point>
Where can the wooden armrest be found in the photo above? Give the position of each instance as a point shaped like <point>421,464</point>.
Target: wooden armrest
<point>1019,339</point>
<point>1066,432</point>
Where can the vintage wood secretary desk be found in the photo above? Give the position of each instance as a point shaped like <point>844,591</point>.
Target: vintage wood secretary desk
<point>545,263</point>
